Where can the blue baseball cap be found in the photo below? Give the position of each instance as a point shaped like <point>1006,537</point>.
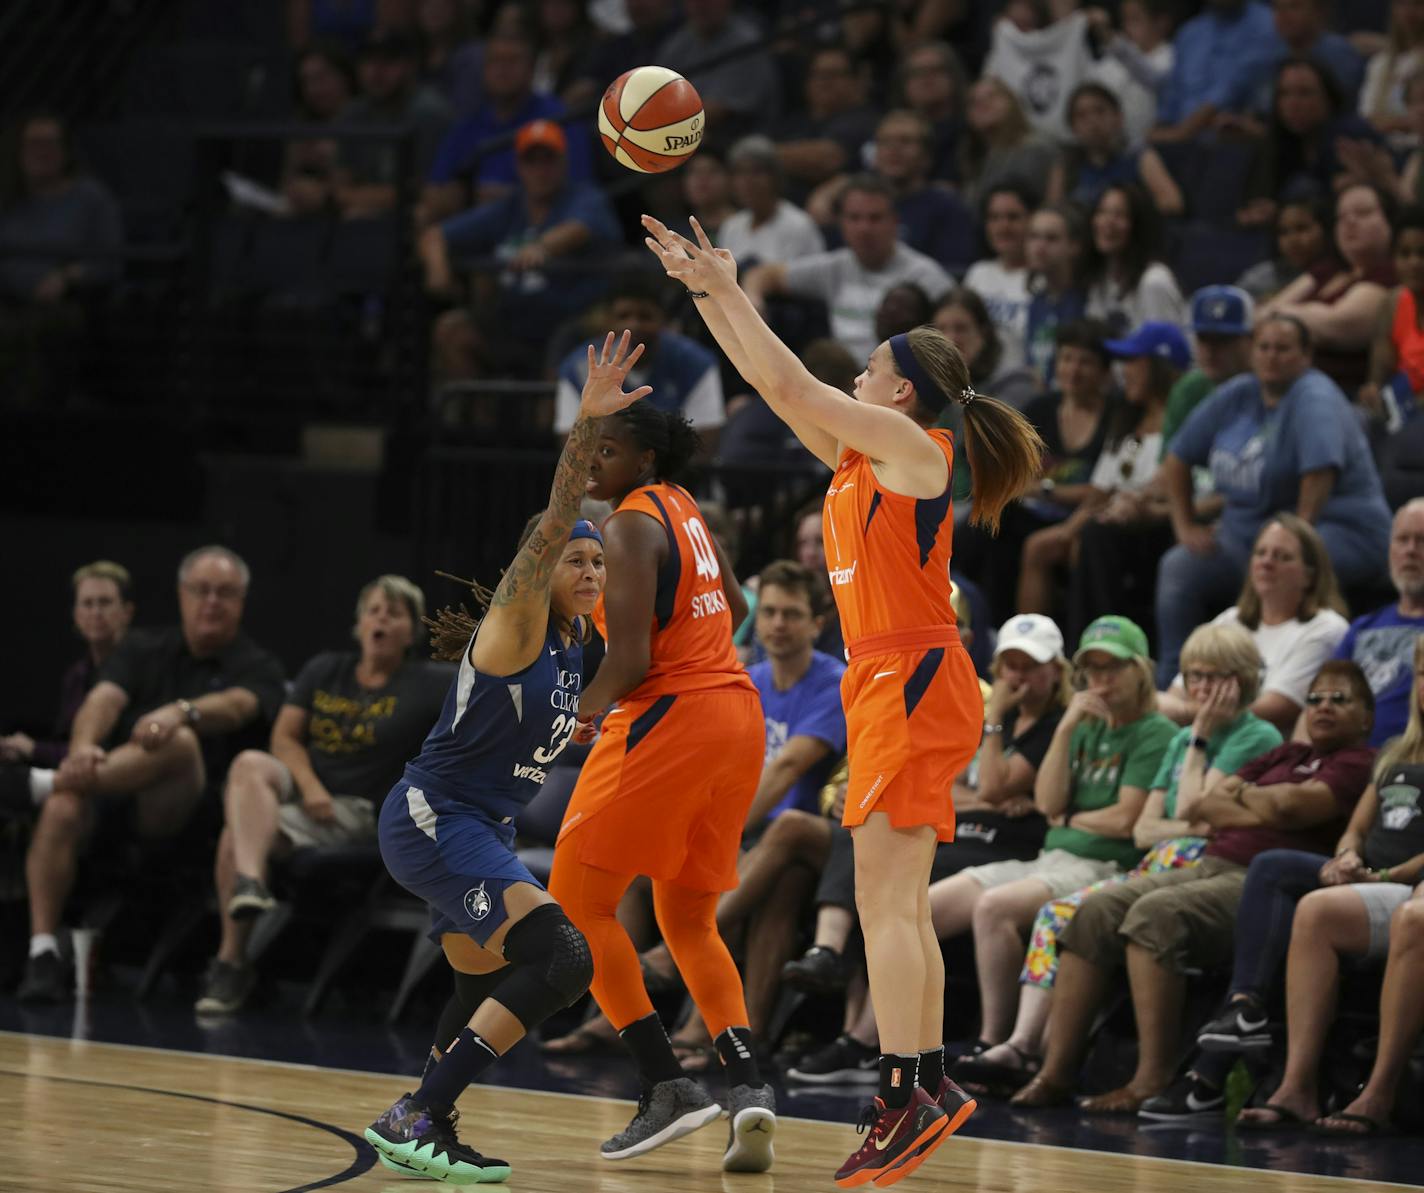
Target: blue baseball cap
<point>1222,311</point>
<point>1164,340</point>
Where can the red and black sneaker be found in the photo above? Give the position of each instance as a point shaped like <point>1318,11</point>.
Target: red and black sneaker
<point>957,1106</point>
<point>894,1136</point>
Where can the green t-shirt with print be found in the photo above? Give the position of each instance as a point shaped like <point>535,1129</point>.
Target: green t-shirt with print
<point>1228,750</point>
<point>1186,394</point>
<point>1101,760</point>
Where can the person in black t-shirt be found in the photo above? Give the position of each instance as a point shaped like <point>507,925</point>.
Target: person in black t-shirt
<point>352,721</point>
<point>168,710</point>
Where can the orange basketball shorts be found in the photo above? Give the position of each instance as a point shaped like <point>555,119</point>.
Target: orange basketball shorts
<point>914,717</point>
<point>666,789</point>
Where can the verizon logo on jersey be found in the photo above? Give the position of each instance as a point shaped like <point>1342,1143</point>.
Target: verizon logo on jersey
<point>535,774</point>
<point>844,575</point>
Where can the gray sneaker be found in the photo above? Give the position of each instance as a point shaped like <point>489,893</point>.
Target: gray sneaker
<point>752,1110</point>
<point>667,1111</point>
<point>226,988</point>
<point>250,898</point>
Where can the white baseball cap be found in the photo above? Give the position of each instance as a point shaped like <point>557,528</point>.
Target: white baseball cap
<point>1037,636</point>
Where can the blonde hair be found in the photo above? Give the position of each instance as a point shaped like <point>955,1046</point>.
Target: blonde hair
<point>1062,691</point>
<point>1324,591</point>
<point>1230,648</point>
<point>1409,745</point>
<point>396,588</point>
<point>1005,453</point>
<point>105,569</point>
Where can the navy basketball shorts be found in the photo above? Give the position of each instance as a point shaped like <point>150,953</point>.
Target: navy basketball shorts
<point>459,862</point>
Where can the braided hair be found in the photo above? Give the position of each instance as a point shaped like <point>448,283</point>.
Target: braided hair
<point>451,629</point>
<point>666,433</point>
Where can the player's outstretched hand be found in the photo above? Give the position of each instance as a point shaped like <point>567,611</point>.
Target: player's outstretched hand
<point>603,390</point>
<point>701,267</point>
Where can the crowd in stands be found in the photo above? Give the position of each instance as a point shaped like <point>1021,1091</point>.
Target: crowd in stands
<point>1188,245</point>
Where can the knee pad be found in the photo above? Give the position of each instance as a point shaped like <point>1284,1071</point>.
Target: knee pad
<point>552,965</point>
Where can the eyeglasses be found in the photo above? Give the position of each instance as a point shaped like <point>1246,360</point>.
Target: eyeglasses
<point>1336,698</point>
<point>1191,677</point>
<point>223,592</point>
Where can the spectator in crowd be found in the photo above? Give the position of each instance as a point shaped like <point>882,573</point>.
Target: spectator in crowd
<point>1220,59</point>
<point>1136,60</point>
<point>903,307</point>
<point>852,280</point>
<point>1293,609</point>
<point>822,139</point>
<point>547,222</point>
<point>325,85</point>
<point>739,94</point>
<point>1152,358</point>
<point>564,35</point>
<point>1118,548</point>
<point>391,94</point>
<point>1224,735</point>
<point>1280,437</point>
<point>1300,156</point>
<point>1156,926</point>
<point>1099,155</point>
<point>451,59</point>
<point>1320,906</point>
<point>312,20</point>
<point>1042,52</point>
<point>1381,643</point>
<point>1382,97</point>
<point>1127,282</point>
<point>809,548</point>
<point>706,191</point>
<point>1091,785</point>
<point>650,23</point>
<point>1001,280</point>
<point>965,319</point>
<point>933,85</point>
<point>475,163</point>
<point>1073,421</point>
<point>1340,301</point>
<point>60,237</point>
<point>683,374</point>
<point>767,228</point>
<point>1053,251</point>
<point>1303,243</point>
<point>1303,27</point>
<point>170,708</point>
<point>999,145</point>
<point>103,609</point>
<point>1396,377</point>
<point>340,741</point>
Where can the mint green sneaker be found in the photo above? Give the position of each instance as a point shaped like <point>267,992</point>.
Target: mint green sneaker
<point>421,1141</point>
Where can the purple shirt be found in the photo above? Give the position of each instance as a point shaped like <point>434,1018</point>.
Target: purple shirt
<point>75,685</point>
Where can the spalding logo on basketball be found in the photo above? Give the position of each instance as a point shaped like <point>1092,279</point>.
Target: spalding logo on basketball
<point>650,119</point>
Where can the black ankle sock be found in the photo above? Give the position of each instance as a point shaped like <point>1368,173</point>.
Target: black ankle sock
<point>734,1046</point>
<point>652,1051</point>
<point>897,1078</point>
<point>932,1070</point>
<point>464,1060</point>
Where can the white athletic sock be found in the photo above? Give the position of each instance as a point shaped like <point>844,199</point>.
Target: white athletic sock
<point>43,942</point>
<point>41,783</point>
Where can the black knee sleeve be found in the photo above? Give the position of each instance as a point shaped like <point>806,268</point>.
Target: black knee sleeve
<point>550,962</point>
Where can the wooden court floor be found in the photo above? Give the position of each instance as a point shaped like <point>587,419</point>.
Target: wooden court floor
<point>88,1116</point>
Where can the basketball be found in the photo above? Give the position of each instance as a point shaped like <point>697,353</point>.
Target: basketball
<point>650,119</point>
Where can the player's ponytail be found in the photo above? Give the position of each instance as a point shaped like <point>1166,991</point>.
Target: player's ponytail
<point>1005,452</point>
<point>670,437</point>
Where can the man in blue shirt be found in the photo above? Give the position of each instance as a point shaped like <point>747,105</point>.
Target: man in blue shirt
<point>683,374</point>
<point>1304,32</point>
<point>1382,642</point>
<point>1220,57</point>
<point>800,693</point>
<point>546,223</point>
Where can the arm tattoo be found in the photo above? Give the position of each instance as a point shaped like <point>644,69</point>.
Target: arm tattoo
<point>528,577</point>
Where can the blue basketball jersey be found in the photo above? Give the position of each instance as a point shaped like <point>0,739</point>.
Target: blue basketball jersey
<point>498,734</point>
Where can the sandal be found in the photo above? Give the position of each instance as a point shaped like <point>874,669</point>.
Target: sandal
<point>1040,1093</point>
<point>1285,1119</point>
<point>588,1039</point>
<point>997,1075</point>
<point>1124,1100</point>
<point>696,1058</point>
<point>1373,1128</point>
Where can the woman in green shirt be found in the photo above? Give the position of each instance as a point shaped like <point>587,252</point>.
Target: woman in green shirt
<point>1092,784</point>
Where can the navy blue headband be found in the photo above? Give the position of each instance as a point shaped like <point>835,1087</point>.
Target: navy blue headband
<point>930,394</point>
<point>584,529</point>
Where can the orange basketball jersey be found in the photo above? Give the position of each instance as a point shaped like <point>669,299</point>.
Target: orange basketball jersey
<point>887,554</point>
<point>691,649</point>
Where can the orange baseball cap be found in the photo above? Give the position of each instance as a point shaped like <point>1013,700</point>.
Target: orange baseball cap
<point>540,134</point>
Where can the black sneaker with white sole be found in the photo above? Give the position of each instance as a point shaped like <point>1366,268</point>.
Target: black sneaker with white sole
<point>1189,1099</point>
<point>250,898</point>
<point>844,1061</point>
<point>1242,1027</point>
<point>225,988</point>
<point>820,970</point>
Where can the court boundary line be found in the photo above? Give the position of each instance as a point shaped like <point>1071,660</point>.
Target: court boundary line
<point>555,1093</point>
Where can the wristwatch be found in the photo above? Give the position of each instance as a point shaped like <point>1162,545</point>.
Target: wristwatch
<point>1198,743</point>
<point>991,729</point>
<point>191,712</point>
<point>1047,485</point>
